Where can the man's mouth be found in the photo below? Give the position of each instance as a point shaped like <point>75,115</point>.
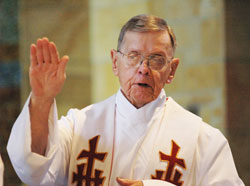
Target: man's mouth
<point>143,84</point>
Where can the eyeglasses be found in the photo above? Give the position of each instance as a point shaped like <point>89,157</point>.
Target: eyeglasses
<point>155,62</point>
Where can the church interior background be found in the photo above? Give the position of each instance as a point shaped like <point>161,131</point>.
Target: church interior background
<point>213,79</point>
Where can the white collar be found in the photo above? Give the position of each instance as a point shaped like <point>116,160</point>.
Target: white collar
<point>141,115</point>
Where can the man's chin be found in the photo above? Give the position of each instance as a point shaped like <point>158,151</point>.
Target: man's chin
<point>140,97</point>
<point>141,100</point>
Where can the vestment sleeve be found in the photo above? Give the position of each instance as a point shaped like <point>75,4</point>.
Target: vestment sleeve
<point>32,168</point>
<point>215,164</point>
<point>1,171</point>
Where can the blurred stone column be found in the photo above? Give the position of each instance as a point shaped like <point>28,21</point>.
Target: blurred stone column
<point>9,81</point>
<point>106,20</point>
<point>238,83</point>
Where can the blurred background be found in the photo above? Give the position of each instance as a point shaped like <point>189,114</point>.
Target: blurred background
<point>213,79</point>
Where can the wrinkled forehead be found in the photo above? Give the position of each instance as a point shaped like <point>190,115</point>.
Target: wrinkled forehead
<point>150,41</point>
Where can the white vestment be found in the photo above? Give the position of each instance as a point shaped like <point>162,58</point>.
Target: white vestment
<point>1,171</point>
<point>110,139</point>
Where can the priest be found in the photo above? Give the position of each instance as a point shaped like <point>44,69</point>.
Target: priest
<point>138,136</point>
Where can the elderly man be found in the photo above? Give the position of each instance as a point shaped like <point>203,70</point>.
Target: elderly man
<point>136,137</point>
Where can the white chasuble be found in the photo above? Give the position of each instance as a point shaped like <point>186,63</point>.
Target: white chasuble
<point>95,145</point>
<point>156,141</point>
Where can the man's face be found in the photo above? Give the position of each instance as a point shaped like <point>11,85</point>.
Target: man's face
<point>141,85</point>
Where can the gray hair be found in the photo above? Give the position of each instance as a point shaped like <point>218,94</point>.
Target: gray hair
<point>146,23</point>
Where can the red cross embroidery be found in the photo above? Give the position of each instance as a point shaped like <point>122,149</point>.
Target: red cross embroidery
<point>172,162</point>
<point>86,174</point>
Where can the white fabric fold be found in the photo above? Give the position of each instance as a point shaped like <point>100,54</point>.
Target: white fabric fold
<point>26,163</point>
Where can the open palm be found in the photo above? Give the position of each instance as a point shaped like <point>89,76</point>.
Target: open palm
<point>47,70</point>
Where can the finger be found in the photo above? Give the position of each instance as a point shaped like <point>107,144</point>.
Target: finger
<point>124,182</point>
<point>39,52</point>
<point>127,182</point>
<point>46,52</point>
<point>33,57</point>
<point>53,53</point>
<point>121,181</point>
<point>62,66</point>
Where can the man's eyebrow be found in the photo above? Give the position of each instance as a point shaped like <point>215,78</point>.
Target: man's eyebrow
<point>134,52</point>
<point>158,53</point>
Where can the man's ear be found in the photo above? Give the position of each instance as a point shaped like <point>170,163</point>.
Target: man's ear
<point>113,54</point>
<point>174,64</point>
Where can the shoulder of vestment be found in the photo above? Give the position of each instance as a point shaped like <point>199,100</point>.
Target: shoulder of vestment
<point>94,111</point>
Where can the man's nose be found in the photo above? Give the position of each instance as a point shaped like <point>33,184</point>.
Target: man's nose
<point>144,67</point>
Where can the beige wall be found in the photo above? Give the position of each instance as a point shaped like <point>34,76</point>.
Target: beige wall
<point>67,24</point>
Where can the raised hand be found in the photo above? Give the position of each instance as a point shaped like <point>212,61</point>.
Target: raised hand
<point>47,76</point>
<point>47,70</point>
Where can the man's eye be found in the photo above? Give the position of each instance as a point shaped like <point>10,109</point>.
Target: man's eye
<point>134,56</point>
<point>157,58</point>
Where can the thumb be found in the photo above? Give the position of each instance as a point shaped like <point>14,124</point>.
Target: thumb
<point>121,181</point>
<point>127,182</point>
<point>62,65</point>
